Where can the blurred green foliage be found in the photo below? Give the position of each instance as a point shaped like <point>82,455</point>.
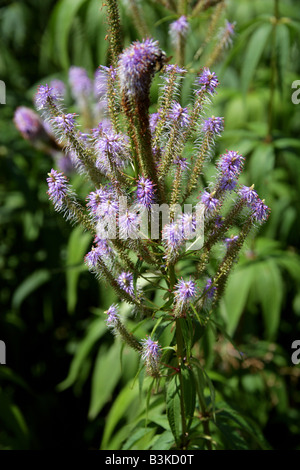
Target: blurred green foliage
<point>65,385</point>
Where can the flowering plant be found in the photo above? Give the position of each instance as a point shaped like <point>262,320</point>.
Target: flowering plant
<point>158,225</point>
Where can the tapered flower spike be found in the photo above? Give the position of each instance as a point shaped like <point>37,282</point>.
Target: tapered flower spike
<point>179,28</point>
<point>208,82</point>
<point>137,65</point>
<point>58,188</point>
<point>81,85</point>
<point>145,192</point>
<point>151,354</point>
<point>184,292</point>
<point>29,124</point>
<point>43,95</point>
<point>114,322</point>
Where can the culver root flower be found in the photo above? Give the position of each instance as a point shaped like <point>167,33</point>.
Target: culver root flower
<point>80,82</point>
<point>58,187</point>
<point>102,75</point>
<point>129,223</point>
<point>145,192</point>
<point>111,147</point>
<point>227,184</point>
<point>65,122</point>
<point>182,162</point>
<point>209,201</point>
<point>214,125</point>
<point>231,164</point>
<point>227,33</point>
<point>58,86</point>
<point>151,354</point>
<point>43,94</point>
<point>260,210</point>
<point>179,115</point>
<point>137,65</point>
<point>28,123</point>
<point>209,289</point>
<point>248,194</point>
<point>208,81</point>
<point>92,257</point>
<point>179,28</point>
<point>184,292</point>
<point>172,236</point>
<point>125,281</point>
<point>113,317</point>
<point>230,240</point>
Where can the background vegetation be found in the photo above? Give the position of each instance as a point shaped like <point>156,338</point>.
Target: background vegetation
<point>57,389</point>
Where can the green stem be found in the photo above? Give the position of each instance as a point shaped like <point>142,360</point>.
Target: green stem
<point>180,353</point>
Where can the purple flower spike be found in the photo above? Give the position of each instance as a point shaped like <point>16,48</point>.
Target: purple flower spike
<point>27,122</point>
<point>137,65</point>
<point>179,28</point>
<point>209,290</point>
<point>92,257</point>
<point>58,87</point>
<point>182,163</point>
<point>172,236</point>
<point>231,164</point>
<point>125,281</point>
<point>43,95</point>
<point>179,115</point>
<point>214,125</point>
<point>209,202</point>
<point>145,192</point>
<point>227,184</point>
<point>208,81</point>
<point>260,210</point>
<point>129,223</point>
<point>184,292</point>
<point>112,316</point>
<point>79,81</point>
<point>111,146</point>
<point>153,120</point>
<point>231,240</point>
<point>102,75</point>
<point>248,194</point>
<point>58,187</point>
<point>228,33</point>
<point>65,122</point>
<point>151,354</point>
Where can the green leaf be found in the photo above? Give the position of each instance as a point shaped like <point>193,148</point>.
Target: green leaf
<point>254,52</point>
<point>189,391</point>
<point>94,333</point>
<point>61,21</point>
<point>173,406</point>
<point>13,422</point>
<point>29,285</point>
<point>164,441</point>
<point>106,374</point>
<point>77,247</point>
<point>139,439</point>
<point>129,394</point>
<point>228,416</point>
<point>236,294</point>
<point>283,51</point>
<point>269,288</point>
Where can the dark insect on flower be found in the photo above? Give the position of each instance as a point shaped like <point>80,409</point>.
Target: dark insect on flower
<point>161,61</point>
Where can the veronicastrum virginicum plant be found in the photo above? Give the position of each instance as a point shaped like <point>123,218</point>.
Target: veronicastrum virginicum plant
<point>140,166</point>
